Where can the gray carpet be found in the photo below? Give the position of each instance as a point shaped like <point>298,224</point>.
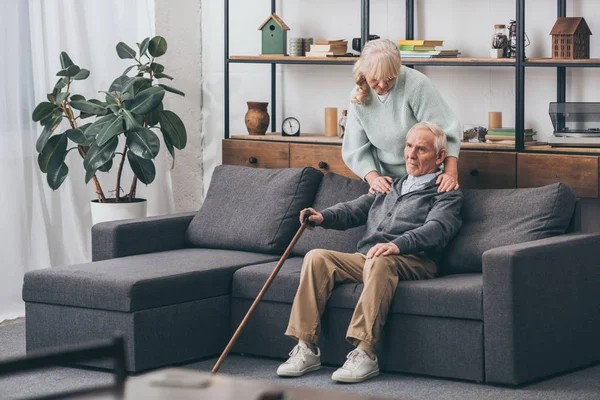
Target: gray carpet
<point>580,384</point>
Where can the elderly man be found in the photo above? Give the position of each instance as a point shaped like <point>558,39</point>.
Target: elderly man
<point>406,231</point>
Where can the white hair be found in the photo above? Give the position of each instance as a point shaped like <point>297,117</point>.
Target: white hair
<point>440,142</point>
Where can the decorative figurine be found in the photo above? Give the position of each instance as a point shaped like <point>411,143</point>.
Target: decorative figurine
<point>274,35</point>
<point>571,38</point>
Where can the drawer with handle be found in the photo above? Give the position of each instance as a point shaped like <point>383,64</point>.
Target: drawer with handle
<point>322,157</point>
<point>256,154</point>
<point>487,170</point>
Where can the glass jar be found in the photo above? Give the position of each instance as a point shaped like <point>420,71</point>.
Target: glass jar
<point>500,40</point>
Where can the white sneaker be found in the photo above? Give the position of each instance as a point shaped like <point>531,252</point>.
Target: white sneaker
<point>357,368</point>
<point>302,360</point>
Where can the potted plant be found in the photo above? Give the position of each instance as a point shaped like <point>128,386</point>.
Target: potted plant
<point>131,113</point>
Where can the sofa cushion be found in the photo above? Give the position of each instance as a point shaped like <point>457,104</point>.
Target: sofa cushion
<point>454,296</point>
<point>140,282</point>
<point>334,189</point>
<point>500,217</point>
<point>253,209</point>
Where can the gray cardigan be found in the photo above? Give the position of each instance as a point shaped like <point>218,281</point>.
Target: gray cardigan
<point>416,222</point>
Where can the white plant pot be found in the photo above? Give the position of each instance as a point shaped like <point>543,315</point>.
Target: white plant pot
<point>102,212</point>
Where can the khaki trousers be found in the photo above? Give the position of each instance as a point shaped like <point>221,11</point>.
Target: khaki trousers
<point>323,269</point>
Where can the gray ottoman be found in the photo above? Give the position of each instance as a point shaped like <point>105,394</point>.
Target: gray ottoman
<point>171,306</point>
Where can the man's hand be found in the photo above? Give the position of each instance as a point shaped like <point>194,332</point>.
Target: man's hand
<point>447,182</point>
<point>383,249</point>
<point>314,217</point>
<point>378,183</point>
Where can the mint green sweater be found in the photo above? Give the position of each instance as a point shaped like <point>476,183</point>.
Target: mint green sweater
<point>376,132</point>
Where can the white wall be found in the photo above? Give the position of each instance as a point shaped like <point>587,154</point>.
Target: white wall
<point>303,91</point>
<point>179,23</point>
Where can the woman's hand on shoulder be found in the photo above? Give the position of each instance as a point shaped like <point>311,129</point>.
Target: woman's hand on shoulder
<point>378,183</point>
<point>447,182</point>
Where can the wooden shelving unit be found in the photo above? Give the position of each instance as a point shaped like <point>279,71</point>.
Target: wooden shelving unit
<point>313,138</point>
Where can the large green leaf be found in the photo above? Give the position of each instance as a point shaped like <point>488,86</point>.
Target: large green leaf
<point>56,175</point>
<point>65,60</point>
<point>76,135</point>
<point>56,145</point>
<point>49,127</point>
<point>77,97</point>
<point>144,46</point>
<point>111,98</point>
<point>143,143</point>
<point>43,111</point>
<point>128,69</point>
<point>108,127</point>
<point>97,155</point>
<point>107,166</point>
<point>57,170</point>
<point>70,71</point>
<point>52,117</point>
<point>143,169</point>
<point>88,107</point>
<point>93,101</point>
<point>119,84</point>
<point>73,70</point>
<point>169,147</point>
<point>81,75</point>
<point>124,51</point>
<point>162,75</point>
<point>138,83</point>
<point>157,46</point>
<point>61,83</point>
<point>60,97</point>
<point>89,175</point>
<point>154,115</point>
<point>172,125</point>
<point>147,100</point>
<point>172,90</point>
<point>131,123</point>
<point>157,68</point>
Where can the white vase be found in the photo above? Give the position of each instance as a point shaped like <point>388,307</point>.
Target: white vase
<point>102,212</point>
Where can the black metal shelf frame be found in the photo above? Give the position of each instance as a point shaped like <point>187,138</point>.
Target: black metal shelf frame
<point>520,64</point>
<point>364,34</point>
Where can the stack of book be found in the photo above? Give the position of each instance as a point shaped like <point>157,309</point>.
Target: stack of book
<point>325,48</point>
<point>507,135</point>
<point>425,49</point>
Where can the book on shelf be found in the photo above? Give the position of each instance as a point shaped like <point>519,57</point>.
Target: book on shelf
<point>420,42</point>
<point>334,48</point>
<point>412,55</point>
<point>430,52</point>
<point>323,54</point>
<point>417,48</point>
<point>332,42</point>
<point>509,132</point>
<point>506,139</point>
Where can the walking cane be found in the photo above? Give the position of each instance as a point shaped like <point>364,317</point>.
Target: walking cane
<point>262,292</point>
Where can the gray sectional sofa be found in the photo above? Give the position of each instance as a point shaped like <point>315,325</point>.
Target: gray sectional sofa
<point>516,299</point>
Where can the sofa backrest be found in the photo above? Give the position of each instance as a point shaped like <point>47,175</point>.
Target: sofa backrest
<point>253,209</point>
<point>334,189</point>
<point>500,217</point>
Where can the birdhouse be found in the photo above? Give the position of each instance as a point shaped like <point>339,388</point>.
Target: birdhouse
<point>274,35</point>
<point>571,38</point>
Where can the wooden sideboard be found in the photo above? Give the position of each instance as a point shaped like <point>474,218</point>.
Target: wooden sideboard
<point>478,168</point>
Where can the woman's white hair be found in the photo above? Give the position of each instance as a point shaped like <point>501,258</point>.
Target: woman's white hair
<point>440,142</point>
<point>379,59</point>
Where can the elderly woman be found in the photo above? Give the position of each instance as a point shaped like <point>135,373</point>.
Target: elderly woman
<point>386,102</point>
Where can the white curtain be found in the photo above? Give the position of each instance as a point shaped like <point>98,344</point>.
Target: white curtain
<point>41,228</point>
